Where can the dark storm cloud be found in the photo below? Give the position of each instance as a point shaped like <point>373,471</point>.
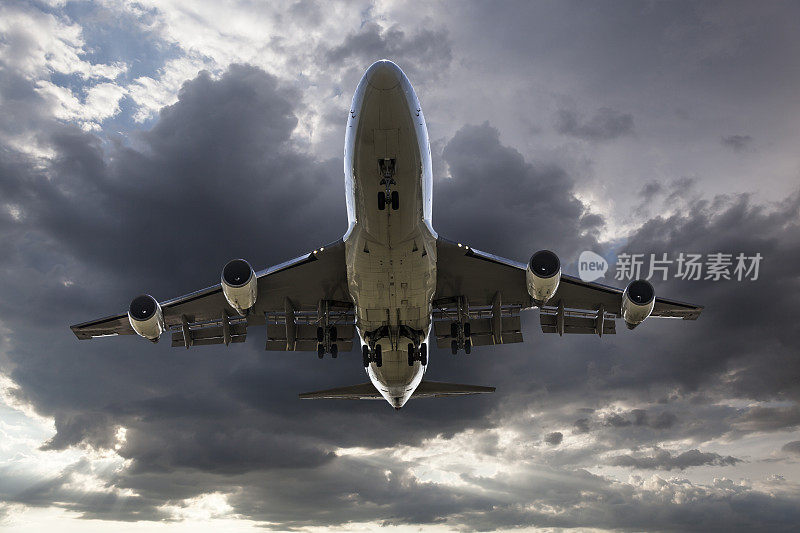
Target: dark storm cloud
<point>219,176</point>
<point>664,460</point>
<point>498,201</point>
<point>737,143</point>
<point>554,438</point>
<point>606,124</point>
<point>756,348</point>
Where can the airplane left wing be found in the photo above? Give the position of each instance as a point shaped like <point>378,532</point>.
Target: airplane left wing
<point>488,292</point>
<point>293,299</point>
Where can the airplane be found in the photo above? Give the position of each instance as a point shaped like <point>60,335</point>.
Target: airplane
<point>391,278</point>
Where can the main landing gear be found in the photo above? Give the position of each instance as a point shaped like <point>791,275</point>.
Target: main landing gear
<point>460,333</point>
<point>371,355</point>
<point>326,342</point>
<point>417,354</point>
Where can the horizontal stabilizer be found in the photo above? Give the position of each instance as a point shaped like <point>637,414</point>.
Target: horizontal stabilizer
<point>367,391</point>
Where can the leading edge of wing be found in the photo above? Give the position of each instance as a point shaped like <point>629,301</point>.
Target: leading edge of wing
<point>83,329</point>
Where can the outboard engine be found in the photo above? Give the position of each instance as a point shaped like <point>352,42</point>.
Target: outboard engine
<point>239,285</point>
<point>146,317</point>
<point>542,276</point>
<point>638,301</point>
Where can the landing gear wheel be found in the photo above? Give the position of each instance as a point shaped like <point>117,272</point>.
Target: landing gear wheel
<point>423,354</point>
<point>454,346</point>
<point>381,200</point>
<point>365,355</point>
<point>454,330</point>
<point>320,351</point>
<point>467,346</point>
<point>467,329</point>
<point>332,331</point>
<point>378,356</point>
<point>320,334</point>
<point>410,354</point>
<point>334,350</point>
<point>395,200</point>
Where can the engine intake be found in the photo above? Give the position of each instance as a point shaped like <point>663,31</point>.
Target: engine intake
<point>146,317</point>
<point>543,276</point>
<point>239,285</point>
<point>638,301</point>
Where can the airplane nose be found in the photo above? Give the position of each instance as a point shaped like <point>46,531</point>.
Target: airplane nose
<point>384,75</point>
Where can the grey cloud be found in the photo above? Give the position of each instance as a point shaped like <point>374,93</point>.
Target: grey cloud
<point>664,460</point>
<point>617,421</point>
<point>427,48</point>
<point>770,418</point>
<point>158,211</point>
<point>554,438</point>
<point>792,447</point>
<point>581,426</point>
<point>737,143</point>
<point>606,124</point>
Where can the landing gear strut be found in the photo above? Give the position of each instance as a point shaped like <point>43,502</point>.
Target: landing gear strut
<point>327,336</point>
<point>460,330</point>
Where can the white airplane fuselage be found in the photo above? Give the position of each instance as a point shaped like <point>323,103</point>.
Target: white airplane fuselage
<point>390,252</point>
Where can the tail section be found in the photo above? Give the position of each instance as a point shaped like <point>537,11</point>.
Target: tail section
<point>367,391</point>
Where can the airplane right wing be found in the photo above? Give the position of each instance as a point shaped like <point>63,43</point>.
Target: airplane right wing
<point>488,292</point>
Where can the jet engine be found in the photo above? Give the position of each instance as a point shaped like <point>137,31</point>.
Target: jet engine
<point>239,285</point>
<point>146,317</point>
<point>638,301</point>
<point>543,275</point>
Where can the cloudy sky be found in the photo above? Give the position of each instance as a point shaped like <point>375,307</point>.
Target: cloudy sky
<point>143,144</point>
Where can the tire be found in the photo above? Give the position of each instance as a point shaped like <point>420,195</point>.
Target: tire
<point>320,334</point>
<point>454,330</point>
<point>320,351</point>
<point>333,333</point>
<point>454,346</point>
<point>381,200</point>
<point>395,200</point>
<point>423,354</point>
<point>378,356</point>
<point>410,354</point>
<point>467,329</point>
<point>467,346</point>
<point>365,355</point>
<point>334,350</point>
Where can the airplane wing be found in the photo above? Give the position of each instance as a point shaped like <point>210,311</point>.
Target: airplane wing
<point>293,298</point>
<point>491,290</point>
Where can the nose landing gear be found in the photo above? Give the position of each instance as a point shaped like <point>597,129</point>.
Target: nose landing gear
<point>387,168</point>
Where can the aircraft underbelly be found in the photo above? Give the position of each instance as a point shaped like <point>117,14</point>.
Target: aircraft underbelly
<point>391,254</point>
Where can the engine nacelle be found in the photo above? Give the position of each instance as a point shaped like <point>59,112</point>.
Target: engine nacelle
<point>146,317</point>
<point>543,275</point>
<point>239,285</point>
<point>638,301</point>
